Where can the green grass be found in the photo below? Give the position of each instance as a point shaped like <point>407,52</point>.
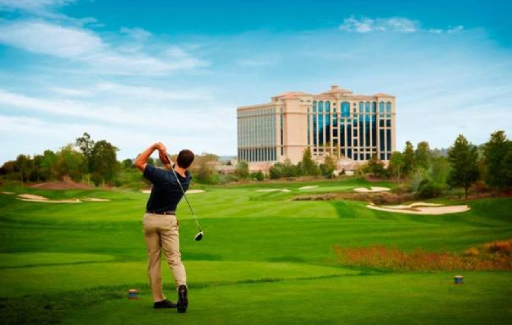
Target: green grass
<point>264,259</point>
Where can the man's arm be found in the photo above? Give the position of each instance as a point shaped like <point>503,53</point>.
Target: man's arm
<point>143,158</point>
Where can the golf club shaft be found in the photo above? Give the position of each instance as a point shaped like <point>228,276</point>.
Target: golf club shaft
<point>185,195</point>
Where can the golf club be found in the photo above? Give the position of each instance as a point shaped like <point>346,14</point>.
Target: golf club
<point>200,234</point>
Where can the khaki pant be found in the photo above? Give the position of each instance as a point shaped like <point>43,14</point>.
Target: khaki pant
<point>161,231</point>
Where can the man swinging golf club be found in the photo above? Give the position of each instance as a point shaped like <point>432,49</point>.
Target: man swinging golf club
<point>161,227</point>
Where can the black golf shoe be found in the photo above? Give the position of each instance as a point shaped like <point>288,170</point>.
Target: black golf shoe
<point>164,304</point>
<point>182,299</point>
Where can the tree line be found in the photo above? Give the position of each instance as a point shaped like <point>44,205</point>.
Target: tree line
<point>429,172</point>
<point>94,161</point>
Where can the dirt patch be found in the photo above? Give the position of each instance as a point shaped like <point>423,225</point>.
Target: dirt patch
<point>42,199</point>
<point>422,208</point>
<point>61,185</point>
<point>372,189</point>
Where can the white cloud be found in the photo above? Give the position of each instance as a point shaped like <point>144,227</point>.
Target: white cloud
<point>138,34</point>
<point>365,25</point>
<point>82,45</point>
<point>45,38</point>
<point>152,94</point>
<point>36,6</point>
<point>137,114</point>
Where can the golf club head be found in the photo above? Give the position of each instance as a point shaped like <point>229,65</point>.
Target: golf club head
<point>199,236</point>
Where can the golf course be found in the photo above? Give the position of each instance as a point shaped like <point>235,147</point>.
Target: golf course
<point>265,258</point>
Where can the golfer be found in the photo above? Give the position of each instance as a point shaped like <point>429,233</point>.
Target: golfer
<point>161,227</point>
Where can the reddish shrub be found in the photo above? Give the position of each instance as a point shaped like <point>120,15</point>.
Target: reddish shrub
<point>418,260</point>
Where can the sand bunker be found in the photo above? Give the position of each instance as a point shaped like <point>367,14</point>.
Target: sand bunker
<point>372,189</point>
<point>42,199</point>
<point>188,192</point>
<point>8,193</point>
<point>274,190</point>
<point>422,208</point>
<point>93,199</point>
<point>307,187</point>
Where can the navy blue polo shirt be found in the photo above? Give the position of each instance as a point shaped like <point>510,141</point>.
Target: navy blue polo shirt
<point>165,194</point>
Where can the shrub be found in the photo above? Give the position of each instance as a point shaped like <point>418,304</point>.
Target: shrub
<point>276,171</point>
<point>257,176</point>
<point>418,260</point>
<point>429,189</point>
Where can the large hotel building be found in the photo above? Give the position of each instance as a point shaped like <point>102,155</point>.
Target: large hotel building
<point>335,122</point>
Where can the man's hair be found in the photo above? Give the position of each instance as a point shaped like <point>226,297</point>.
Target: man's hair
<point>185,158</point>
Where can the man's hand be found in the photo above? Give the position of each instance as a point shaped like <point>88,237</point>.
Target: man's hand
<point>143,158</point>
<point>162,153</point>
<point>160,147</point>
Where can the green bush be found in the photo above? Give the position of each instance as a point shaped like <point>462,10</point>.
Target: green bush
<point>257,176</point>
<point>429,189</point>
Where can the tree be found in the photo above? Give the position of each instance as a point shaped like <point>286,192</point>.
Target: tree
<point>204,168</point>
<point>24,165</point>
<point>329,166</point>
<point>127,164</point>
<point>396,165</point>
<point>103,162</point>
<point>409,158</point>
<point>439,170</point>
<point>86,146</point>
<point>496,151</point>
<point>69,163</point>
<point>242,170</point>
<point>308,166</point>
<point>376,167</point>
<point>463,158</point>
<point>422,155</point>
<point>48,165</point>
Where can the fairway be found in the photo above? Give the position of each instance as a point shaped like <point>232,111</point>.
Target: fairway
<point>265,259</point>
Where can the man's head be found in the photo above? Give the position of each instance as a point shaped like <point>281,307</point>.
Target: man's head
<point>185,158</point>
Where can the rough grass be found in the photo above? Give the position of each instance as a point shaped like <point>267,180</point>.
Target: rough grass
<point>497,258</point>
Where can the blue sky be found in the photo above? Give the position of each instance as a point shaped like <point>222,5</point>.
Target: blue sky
<point>137,72</point>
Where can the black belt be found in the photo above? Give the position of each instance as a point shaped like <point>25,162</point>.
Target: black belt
<point>163,213</point>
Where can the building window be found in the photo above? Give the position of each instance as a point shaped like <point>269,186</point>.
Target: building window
<point>320,123</point>
<point>388,107</point>
<point>388,131</point>
<point>345,109</point>
<point>382,141</point>
<point>309,133</point>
